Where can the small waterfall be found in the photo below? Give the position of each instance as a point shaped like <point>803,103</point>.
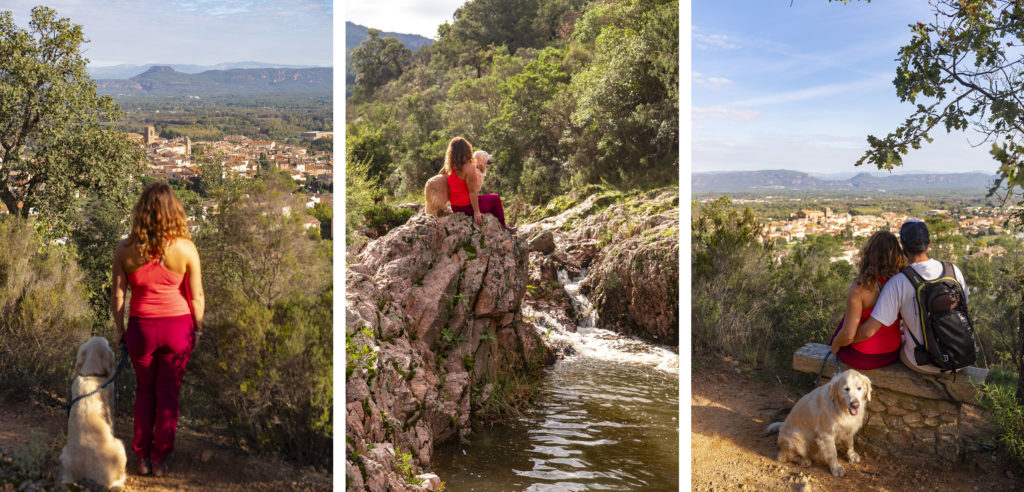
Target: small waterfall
<point>598,343</point>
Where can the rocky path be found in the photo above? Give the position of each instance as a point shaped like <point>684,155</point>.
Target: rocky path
<point>730,410</point>
<point>202,461</point>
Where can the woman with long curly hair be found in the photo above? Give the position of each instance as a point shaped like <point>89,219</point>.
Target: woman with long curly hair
<point>464,184</point>
<point>159,263</point>
<point>880,259</point>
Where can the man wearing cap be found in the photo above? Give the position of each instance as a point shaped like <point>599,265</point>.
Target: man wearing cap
<point>898,296</point>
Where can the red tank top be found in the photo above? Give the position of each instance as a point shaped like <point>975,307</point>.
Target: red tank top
<point>158,292</point>
<point>885,340</point>
<point>458,192</point>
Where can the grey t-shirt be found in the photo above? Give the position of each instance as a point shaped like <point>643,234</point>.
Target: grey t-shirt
<point>897,297</point>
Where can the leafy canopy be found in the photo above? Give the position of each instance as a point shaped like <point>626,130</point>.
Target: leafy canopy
<point>378,60</point>
<point>51,144</point>
<point>963,69</point>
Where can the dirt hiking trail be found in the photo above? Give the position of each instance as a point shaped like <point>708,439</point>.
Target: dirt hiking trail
<point>201,461</point>
<point>730,410</point>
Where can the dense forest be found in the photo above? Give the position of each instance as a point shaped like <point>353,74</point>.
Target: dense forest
<point>563,93</point>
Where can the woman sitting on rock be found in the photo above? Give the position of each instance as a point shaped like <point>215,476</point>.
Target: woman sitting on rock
<point>460,169</point>
<point>880,259</point>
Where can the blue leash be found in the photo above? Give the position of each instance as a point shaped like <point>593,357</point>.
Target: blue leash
<point>117,372</point>
<point>822,370</point>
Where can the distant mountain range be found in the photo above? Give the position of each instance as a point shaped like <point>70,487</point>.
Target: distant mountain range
<point>774,181</point>
<point>125,71</point>
<point>166,81</point>
<point>355,34</point>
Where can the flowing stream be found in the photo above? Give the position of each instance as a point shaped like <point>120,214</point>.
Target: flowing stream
<point>607,419</point>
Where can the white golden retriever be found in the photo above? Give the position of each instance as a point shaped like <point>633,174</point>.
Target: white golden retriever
<point>830,414</point>
<point>92,451</point>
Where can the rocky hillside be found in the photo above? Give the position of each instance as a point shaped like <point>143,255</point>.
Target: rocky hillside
<point>628,247</point>
<point>433,334</point>
<point>166,81</point>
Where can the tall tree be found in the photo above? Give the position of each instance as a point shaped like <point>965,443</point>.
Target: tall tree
<point>378,60</point>
<point>52,147</point>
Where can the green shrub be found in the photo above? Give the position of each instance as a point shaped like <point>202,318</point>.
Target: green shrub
<point>35,459</point>
<point>380,218</point>
<point>747,304</point>
<point>1008,417</point>
<point>407,469</point>
<point>44,313</point>
<point>263,368</point>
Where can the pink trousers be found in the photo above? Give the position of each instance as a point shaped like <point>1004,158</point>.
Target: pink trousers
<point>489,204</point>
<point>159,349</point>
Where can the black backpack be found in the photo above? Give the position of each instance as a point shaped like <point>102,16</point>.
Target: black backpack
<point>948,332</point>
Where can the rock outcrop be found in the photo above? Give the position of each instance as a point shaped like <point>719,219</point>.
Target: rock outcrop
<point>629,247</point>
<point>432,331</point>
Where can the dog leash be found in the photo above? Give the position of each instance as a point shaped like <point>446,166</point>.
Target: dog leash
<point>117,372</point>
<point>822,370</point>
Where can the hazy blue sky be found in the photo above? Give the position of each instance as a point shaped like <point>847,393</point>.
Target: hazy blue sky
<point>800,87</point>
<point>293,32</point>
<point>403,16</point>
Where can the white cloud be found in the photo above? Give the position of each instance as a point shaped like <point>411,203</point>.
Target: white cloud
<point>404,16</point>
<point>712,82</point>
<point>704,41</point>
<point>723,113</point>
<point>820,91</point>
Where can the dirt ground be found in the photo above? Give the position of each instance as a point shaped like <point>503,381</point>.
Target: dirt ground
<point>201,461</point>
<point>730,411</point>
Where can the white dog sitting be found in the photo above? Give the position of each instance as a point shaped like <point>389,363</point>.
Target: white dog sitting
<point>830,414</point>
<point>92,451</point>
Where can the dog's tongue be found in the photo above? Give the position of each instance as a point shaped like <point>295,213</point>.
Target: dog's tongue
<point>853,411</point>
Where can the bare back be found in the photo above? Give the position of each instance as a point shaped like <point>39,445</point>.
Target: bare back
<point>176,258</point>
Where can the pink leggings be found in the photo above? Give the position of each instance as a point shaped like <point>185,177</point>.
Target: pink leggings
<point>159,349</point>
<point>489,204</point>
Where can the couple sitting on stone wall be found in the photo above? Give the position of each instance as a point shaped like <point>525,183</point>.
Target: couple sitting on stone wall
<point>885,291</point>
<point>460,181</point>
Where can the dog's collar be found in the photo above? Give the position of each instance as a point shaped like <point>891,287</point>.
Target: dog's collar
<point>94,375</point>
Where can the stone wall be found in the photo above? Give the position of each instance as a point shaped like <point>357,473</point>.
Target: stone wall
<point>932,418</point>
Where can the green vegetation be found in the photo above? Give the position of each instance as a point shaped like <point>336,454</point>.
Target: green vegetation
<point>1007,415</point>
<point>34,459</point>
<point>407,469</point>
<point>775,306</point>
<point>265,372</point>
<point>564,93</point>
<point>510,394</point>
<point>55,155</point>
<point>360,355</point>
<point>281,119</point>
<point>44,312</point>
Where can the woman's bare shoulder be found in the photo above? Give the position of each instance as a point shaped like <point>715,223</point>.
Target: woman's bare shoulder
<point>866,294</point>
<point>859,290</point>
<point>185,247</point>
<point>124,246</point>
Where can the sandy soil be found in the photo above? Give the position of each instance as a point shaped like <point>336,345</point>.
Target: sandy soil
<point>730,412</point>
<point>201,461</point>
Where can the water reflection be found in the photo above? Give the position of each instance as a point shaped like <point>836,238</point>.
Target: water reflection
<point>607,420</point>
